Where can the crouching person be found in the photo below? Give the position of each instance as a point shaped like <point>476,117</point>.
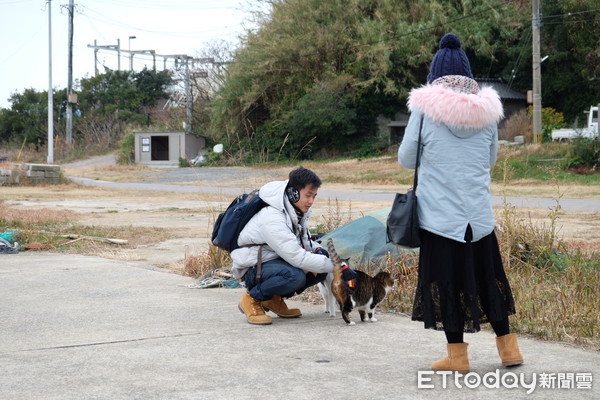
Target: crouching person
<point>279,235</point>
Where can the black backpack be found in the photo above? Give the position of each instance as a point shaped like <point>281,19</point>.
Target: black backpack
<point>230,223</point>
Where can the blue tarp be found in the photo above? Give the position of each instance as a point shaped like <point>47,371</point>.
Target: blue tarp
<point>364,240</point>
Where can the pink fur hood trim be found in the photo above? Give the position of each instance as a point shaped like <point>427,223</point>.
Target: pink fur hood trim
<point>457,109</point>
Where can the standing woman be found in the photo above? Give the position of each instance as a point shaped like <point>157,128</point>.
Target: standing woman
<point>461,282</point>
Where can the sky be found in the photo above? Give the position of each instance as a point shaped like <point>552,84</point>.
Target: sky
<point>165,26</point>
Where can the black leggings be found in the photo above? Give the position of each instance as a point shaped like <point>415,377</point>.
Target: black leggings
<point>501,328</point>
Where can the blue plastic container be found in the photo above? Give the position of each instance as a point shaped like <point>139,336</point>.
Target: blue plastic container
<point>8,235</point>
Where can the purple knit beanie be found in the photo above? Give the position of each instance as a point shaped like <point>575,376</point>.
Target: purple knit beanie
<point>450,59</point>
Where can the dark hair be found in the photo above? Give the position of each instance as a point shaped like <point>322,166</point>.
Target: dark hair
<point>301,177</point>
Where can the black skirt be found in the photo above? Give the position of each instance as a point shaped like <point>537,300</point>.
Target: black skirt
<point>461,285</point>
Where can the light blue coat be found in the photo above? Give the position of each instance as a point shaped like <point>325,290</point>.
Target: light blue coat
<point>458,151</point>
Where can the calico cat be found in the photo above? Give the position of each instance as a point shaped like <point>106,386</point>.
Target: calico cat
<point>367,292</point>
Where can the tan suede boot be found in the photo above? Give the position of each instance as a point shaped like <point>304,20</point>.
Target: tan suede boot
<point>508,349</point>
<point>254,312</point>
<point>457,359</point>
<point>278,306</point>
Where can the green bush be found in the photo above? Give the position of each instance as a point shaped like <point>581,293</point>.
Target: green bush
<point>183,163</point>
<point>551,119</point>
<point>126,155</point>
<point>324,117</point>
<point>584,152</point>
<point>213,158</point>
<point>368,149</point>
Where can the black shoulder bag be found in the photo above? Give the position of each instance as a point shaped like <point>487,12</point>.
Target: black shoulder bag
<point>403,220</point>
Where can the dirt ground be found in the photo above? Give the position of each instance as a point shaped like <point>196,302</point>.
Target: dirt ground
<point>184,220</point>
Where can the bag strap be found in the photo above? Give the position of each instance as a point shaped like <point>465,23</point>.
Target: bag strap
<point>259,264</point>
<point>418,162</point>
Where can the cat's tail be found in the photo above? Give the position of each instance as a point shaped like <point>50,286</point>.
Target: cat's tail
<point>337,284</point>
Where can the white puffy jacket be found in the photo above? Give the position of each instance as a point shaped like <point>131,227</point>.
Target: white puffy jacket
<point>277,228</point>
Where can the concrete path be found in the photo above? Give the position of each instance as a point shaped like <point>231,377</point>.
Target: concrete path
<point>98,161</point>
<point>77,327</point>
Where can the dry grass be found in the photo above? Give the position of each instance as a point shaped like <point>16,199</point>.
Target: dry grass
<point>519,124</point>
<point>16,218</point>
<point>56,230</point>
<point>197,265</point>
<point>404,270</point>
<point>24,154</point>
<point>383,170</point>
<point>114,173</point>
<point>557,305</point>
<point>334,217</point>
<point>556,286</point>
<point>202,264</point>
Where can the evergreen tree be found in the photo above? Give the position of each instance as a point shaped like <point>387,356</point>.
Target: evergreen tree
<point>317,73</point>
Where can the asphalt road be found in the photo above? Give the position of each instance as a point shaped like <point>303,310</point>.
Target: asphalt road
<point>182,179</point>
<point>566,204</point>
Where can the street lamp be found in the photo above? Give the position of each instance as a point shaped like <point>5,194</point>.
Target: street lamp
<point>130,55</point>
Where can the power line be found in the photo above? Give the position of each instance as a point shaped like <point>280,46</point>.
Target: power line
<point>570,13</point>
<point>571,22</point>
<point>518,61</point>
<point>513,73</point>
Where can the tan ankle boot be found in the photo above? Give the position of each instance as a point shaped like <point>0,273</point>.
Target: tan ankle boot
<point>457,359</point>
<point>278,306</point>
<point>253,310</point>
<point>508,349</point>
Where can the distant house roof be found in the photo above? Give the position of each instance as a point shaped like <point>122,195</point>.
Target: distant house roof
<point>502,88</point>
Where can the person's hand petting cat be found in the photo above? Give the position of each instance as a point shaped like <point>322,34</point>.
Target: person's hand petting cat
<point>322,251</point>
<point>348,274</point>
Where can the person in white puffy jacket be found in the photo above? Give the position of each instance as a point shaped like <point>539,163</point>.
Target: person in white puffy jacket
<point>461,282</point>
<point>291,261</point>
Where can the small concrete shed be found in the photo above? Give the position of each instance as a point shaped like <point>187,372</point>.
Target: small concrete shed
<point>166,148</point>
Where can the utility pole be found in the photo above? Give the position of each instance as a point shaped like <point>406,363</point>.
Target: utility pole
<point>130,53</point>
<point>50,93</point>
<point>189,101</point>
<point>108,47</point>
<point>537,72</point>
<point>70,96</point>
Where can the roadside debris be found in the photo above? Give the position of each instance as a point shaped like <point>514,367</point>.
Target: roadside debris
<point>5,246</point>
<point>76,237</point>
<point>217,278</point>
